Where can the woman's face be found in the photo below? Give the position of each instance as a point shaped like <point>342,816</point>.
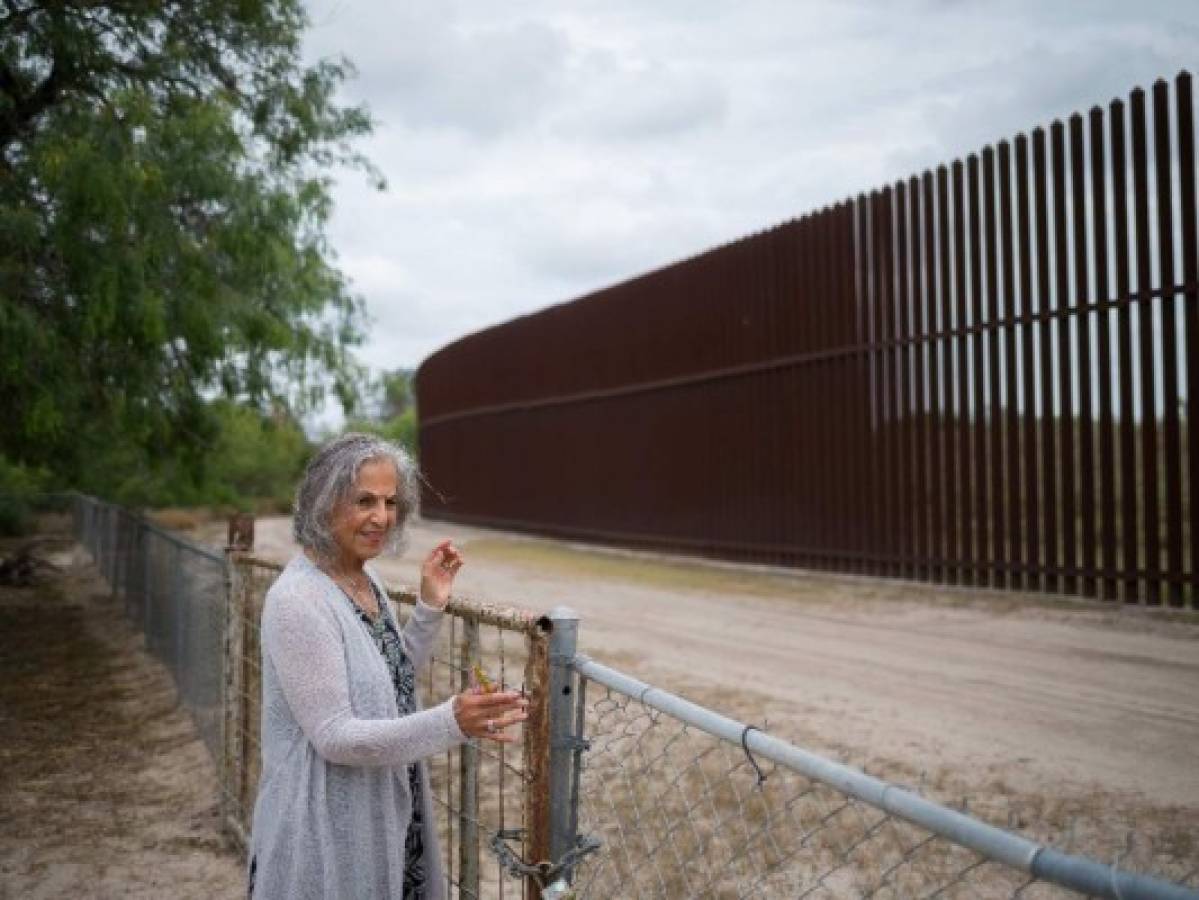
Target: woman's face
<point>362,523</point>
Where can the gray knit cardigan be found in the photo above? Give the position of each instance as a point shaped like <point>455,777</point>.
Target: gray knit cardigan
<point>333,799</point>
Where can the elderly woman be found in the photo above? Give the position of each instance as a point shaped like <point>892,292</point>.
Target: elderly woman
<point>343,805</point>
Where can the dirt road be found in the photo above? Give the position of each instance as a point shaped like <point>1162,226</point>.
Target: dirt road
<point>1075,723</point>
<point>1080,715</point>
<point>105,789</point>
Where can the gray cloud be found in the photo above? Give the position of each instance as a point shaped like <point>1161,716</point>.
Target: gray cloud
<point>426,66</point>
<point>538,150</point>
<point>1035,85</point>
<point>616,100</point>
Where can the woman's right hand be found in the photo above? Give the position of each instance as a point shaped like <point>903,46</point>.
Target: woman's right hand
<point>483,715</point>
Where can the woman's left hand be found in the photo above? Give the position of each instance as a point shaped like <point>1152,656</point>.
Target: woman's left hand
<point>437,574</point>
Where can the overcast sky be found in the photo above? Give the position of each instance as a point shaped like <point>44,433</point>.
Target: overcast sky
<point>536,151</point>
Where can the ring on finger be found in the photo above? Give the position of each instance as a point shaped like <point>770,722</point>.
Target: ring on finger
<point>491,729</point>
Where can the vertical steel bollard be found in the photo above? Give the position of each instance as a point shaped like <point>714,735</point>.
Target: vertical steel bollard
<point>564,744</point>
<point>468,784</point>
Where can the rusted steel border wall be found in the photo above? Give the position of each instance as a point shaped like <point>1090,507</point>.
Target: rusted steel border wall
<point>978,375</point>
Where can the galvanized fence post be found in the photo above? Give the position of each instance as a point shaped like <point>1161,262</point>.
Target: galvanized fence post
<point>564,743</point>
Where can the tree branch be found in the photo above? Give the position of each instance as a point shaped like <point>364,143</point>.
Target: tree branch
<point>15,14</point>
<point>29,105</point>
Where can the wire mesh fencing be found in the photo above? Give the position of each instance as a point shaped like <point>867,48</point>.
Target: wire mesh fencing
<point>484,794</point>
<point>174,590</point>
<point>200,611</point>
<point>241,750</point>
<point>616,788</point>
<point>488,794</point>
<point>687,803</point>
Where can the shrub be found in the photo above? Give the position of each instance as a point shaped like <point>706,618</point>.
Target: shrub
<point>19,486</point>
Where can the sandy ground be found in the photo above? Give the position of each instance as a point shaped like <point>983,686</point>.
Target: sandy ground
<point>1069,693</point>
<point>105,789</point>
<point>1077,720</point>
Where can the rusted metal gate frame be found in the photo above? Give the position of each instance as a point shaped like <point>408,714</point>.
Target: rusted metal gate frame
<point>239,762</point>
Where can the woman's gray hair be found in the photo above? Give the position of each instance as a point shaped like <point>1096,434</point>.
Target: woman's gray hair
<point>328,480</point>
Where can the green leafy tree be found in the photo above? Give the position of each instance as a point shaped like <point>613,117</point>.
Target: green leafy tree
<point>393,408</point>
<point>258,459</point>
<point>254,463</point>
<point>19,486</point>
<point>396,394</point>
<point>164,190</point>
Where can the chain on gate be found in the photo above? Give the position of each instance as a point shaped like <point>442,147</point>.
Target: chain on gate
<point>550,877</point>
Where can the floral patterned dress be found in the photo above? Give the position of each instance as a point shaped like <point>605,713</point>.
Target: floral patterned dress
<point>386,636</point>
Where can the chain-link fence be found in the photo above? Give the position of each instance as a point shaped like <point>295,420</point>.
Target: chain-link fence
<point>687,803</point>
<point>489,794</point>
<point>484,797</point>
<point>200,611</point>
<point>617,789</point>
<point>174,590</point>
